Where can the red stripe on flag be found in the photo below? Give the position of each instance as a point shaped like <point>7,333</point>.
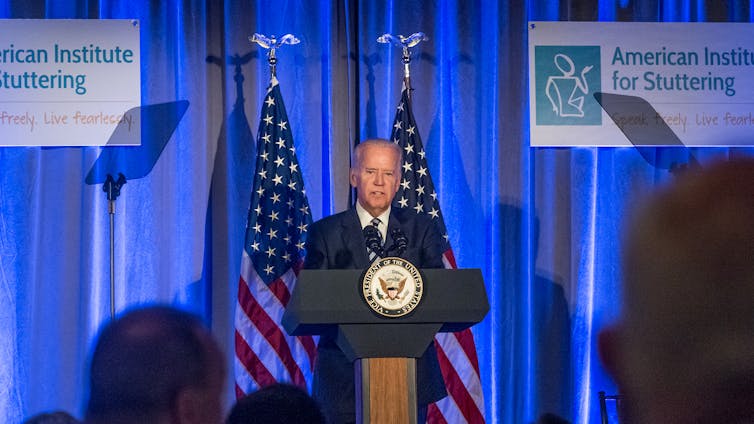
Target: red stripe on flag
<point>310,347</point>
<point>451,258</point>
<point>466,340</point>
<point>306,341</point>
<point>251,362</point>
<point>434,416</point>
<point>280,291</point>
<point>297,267</point>
<point>457,389</point>
<point>270,331</point>
<point>239,392</point>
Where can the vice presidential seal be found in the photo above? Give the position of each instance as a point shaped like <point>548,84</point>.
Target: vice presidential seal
<point>392,287</point>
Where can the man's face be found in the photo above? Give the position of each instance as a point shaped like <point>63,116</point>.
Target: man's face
<point>377,178</point>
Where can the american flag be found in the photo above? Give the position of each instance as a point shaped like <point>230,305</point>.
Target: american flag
<point>455,351</point>
<point>272,257</point>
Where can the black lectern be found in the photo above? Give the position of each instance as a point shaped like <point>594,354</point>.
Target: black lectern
<point>382,347</point>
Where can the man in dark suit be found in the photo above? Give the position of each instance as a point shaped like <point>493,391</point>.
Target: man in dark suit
<point>338,242</point>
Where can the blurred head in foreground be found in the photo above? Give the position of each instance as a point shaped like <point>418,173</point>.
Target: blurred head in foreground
<point>683,351</point>
<point>156,365</point>
<point>277,404</point>
<point>56,417</point>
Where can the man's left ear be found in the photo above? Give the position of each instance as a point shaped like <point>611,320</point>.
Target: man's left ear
<point>188,406</point>
<point>352,177</point>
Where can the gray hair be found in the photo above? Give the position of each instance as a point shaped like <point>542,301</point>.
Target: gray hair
<point>376,142</point>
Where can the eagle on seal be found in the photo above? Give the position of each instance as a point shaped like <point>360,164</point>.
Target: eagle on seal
<point>391,289</point>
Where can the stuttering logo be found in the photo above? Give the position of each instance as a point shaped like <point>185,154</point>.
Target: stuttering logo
<point>566,79</point>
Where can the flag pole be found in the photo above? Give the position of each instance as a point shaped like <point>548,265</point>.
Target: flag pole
<point>406,70</point>
<point>112,189</point>
<point>405,43</point>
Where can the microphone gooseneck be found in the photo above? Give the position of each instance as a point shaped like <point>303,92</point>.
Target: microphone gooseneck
<point>400,242</point>
<point>373,240</point>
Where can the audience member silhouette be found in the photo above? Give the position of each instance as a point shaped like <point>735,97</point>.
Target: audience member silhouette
<point>156,365</point>
<point>277,404</point>
<point>56,417</point>
<point>549,418</point>
<point>683,351</point>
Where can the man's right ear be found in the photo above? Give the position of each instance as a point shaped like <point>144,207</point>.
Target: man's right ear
<point>352,177</point>
<point>609,350</point>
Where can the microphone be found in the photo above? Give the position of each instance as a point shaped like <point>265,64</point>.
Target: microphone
<point>400,242</point>
<point>373,239</point>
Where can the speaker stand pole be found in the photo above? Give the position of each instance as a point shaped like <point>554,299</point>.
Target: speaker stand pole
<point>112,188</point>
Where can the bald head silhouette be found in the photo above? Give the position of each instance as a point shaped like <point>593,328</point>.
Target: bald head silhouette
<point>683,351</point>
<point>153,365</point>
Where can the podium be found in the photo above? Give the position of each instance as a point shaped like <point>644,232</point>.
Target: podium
<point>384,349</point>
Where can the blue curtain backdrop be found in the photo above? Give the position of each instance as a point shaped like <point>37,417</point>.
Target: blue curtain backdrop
<point>542,224</point>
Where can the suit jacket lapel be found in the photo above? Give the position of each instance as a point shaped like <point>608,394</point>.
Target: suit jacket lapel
<point>353,239</point>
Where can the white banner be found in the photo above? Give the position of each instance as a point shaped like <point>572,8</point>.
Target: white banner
<point>630,83</point>
<point>69,82</point>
